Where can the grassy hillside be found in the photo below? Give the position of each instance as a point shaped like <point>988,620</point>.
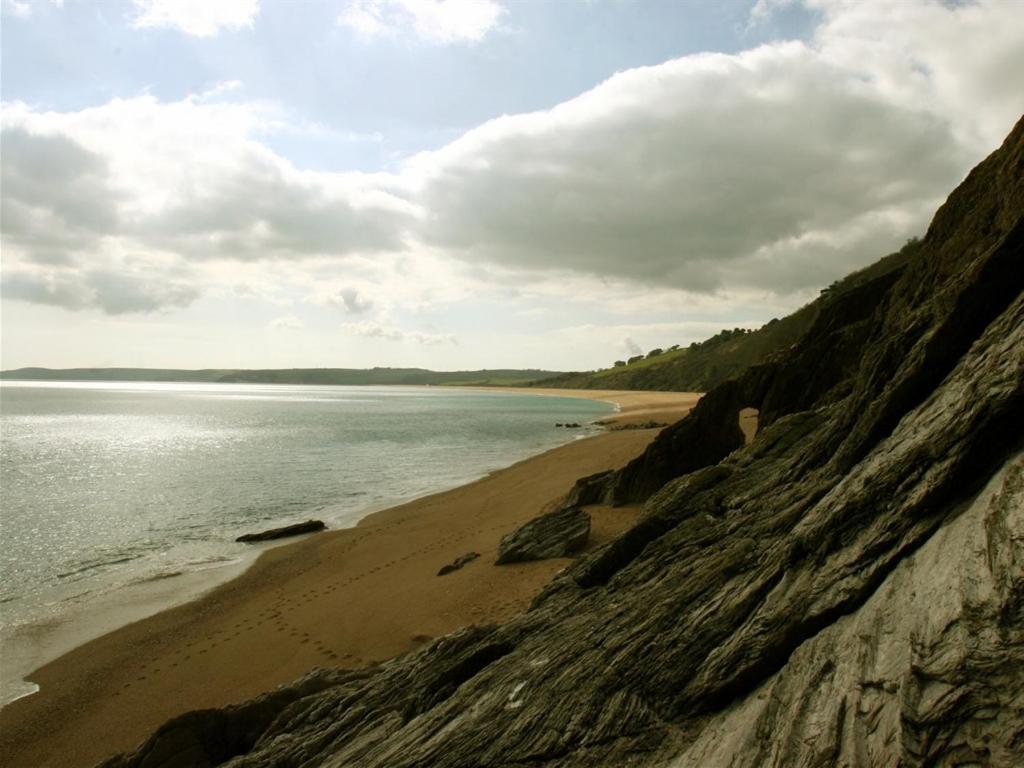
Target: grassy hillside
<point>336,376</point>
<point>706,364</point>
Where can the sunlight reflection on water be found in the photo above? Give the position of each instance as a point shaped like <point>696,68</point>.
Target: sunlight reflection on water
<point>106,484</point>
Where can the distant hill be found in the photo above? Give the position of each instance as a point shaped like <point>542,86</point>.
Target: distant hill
<point>336,376</point>
<point>696,368</point>
<point>706,364</point>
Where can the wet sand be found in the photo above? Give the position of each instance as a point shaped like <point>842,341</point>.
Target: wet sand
<point>342,598</point>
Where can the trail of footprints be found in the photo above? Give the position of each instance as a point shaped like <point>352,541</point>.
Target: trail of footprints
<point>277,614</point>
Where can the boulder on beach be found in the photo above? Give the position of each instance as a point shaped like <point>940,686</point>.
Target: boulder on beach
<point>458,562</point>
<point>310,526</point>
<point>556,534</point>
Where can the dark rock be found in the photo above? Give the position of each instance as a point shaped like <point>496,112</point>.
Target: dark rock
<point>210,737</point>
<point>848,589</point>
<point>458,562</point>
<point>310,526</point>
<point>707,434</point>
<point>556,534</point>
<point>639,425</point>
<point>593,489</point>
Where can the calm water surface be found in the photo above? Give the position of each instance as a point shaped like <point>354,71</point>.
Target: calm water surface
<point>106,485</point>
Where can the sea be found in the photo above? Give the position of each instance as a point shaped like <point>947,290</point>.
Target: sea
<point>121,499</point>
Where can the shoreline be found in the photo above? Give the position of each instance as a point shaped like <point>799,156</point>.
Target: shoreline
<point>346,597</point>
<point>31,645</point>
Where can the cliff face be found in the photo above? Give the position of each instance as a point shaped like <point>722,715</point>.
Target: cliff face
<point>846,590</point>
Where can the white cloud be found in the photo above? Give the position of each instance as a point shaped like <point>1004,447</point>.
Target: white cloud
<point>20,8</point>
<point>185,182</point>
<point>220,88</point>
<point>699,182</point>
<point>350,300</point>
<point>441,22</point>
<point>782,167</point>
<point>200,18</point>
<point>287,323</point>
<point>390,333</point>
<point>683,172</point>
<point>960,60</point>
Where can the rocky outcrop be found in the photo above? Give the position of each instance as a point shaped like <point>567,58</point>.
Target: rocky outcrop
<point>847,589</point>
<point>592,489</point>
<point>930,668</point>
<point>555,534</point>
<point>310,526</point>
<point>457,563</point>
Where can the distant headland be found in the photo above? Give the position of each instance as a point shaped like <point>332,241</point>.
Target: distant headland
<point>335,376</point>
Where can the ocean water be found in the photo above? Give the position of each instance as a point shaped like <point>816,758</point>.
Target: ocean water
<point>108,487</point>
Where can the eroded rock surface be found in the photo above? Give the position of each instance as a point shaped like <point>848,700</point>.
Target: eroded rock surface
<point>847,589</point>
<point>930,668</point>
<point>555,534</point>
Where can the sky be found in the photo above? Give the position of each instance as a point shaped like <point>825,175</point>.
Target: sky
<point>463,184</point>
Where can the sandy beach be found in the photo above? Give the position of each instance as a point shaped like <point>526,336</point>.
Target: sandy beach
<point>342,598</point>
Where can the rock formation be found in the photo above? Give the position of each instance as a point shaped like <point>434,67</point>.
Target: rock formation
<point>848,589</point>
<point>555,534</point>
<point>457,563</point>
<point>592,489</point>
<point>310,526</point>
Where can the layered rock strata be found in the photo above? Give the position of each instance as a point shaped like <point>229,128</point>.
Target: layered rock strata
<point>555,534</point>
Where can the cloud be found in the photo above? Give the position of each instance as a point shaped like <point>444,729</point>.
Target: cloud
<point>190,177</point>
<point>441,22</point>
<point>288,323</point>
<point>199,18</point>
<point>114,293</point>
<point>697,171</point>
<point>774,170</point>
<point>55,193</point>
<point>20,8</point>
<point>631,346</point>
<point>351,301</point>
<point>962,60</point>
<point>390,333</point>
<point>781,167</point>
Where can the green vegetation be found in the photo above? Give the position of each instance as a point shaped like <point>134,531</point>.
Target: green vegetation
<point>335,376</point>
<point>705,364</point>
